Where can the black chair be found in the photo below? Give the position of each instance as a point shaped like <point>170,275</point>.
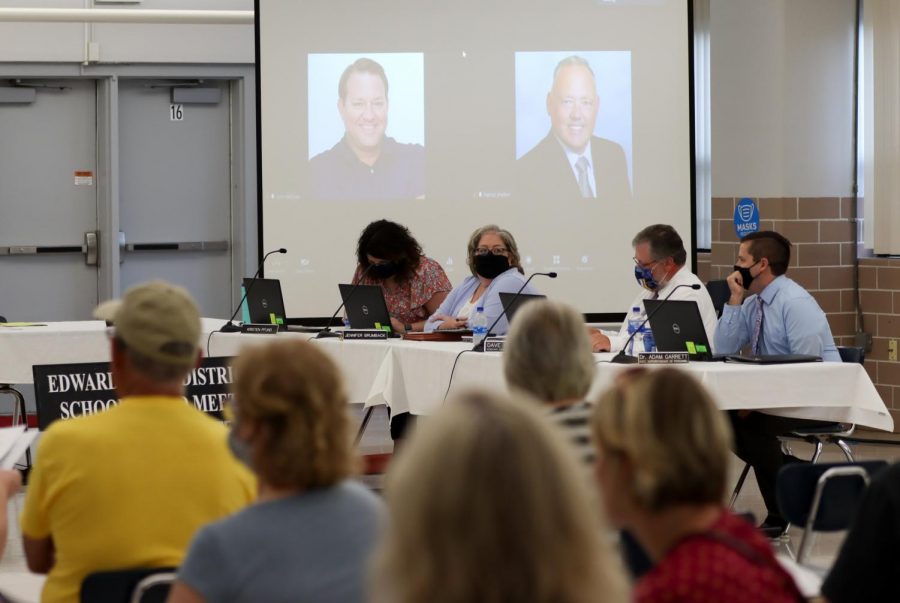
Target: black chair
<point>820,434</point>
<point>833,433</point>
<point>719,293</point>
<point>138,585</point>
<point>822,498</point>
<point>19,403</point>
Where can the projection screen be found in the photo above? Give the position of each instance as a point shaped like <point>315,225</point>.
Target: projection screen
<point>478,110</point>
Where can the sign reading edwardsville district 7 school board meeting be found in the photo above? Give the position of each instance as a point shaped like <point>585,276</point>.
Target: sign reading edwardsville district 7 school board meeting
<point>66,391</point>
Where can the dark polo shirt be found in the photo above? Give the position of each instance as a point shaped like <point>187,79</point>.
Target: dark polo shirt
<point>399,173</point>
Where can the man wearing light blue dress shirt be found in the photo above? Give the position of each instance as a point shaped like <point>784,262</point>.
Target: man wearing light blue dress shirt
<point>778,317</point>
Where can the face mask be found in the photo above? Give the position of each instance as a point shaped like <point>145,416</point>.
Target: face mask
<point>644,277</point>
<point>239,448</point>
<point>385,270</point>
<point>491,266</point>
<point>746,277</point>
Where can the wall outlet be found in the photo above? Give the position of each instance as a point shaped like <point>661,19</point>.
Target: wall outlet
<point>892,349</point>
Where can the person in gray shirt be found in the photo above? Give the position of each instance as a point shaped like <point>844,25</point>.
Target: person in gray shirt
<point>309,536</point>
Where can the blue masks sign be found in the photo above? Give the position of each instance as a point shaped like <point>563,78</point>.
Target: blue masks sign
<point>746,217</point>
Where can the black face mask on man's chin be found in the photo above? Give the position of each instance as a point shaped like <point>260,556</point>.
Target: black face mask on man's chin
<point>491,266</point>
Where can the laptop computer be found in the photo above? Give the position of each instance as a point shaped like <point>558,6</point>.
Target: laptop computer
<point>678,327</point>
<point>365,307</point>
<point>265,305</point>
<point>265,302</point>
<point>513,303</point>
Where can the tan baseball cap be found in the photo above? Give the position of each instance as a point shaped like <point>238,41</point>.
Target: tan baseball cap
<point>157,319</point>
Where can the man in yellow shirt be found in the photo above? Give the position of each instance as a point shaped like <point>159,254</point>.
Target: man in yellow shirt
<point>128,487</point>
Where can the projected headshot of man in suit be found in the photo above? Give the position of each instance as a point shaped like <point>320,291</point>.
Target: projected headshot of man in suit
<point>366,164</point>
<point>570,161</point>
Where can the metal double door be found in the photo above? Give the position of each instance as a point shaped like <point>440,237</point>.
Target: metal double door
<point>94,200</point>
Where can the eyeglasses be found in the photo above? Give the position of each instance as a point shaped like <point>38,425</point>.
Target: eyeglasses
<point>493,250</point>
<point>645,266</point>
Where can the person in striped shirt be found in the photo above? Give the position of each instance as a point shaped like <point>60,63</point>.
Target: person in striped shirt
<point>547,356</point>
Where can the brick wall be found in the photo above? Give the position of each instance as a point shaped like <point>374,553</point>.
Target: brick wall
<point>822,261</point>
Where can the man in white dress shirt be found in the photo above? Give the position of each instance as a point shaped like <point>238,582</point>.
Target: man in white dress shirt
<point>660,260</point>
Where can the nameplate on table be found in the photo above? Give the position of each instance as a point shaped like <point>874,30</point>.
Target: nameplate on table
<point>66,391</point>
<point>493,344</point>
<point>259,329</point>
<point>364,334</point>
<point>663,357</point>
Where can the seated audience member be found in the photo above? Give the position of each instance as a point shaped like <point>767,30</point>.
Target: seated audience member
<point>547,355</point>
<point>660,266</point>
<point>10,485</point>
<point>310,533</point>
<point>662,462</point>
<point>128,487</point>
<point>488,503</point>
<point>414,286</point>
<point>493,258</point>
<point>867,566</point>
<point>777,317</point>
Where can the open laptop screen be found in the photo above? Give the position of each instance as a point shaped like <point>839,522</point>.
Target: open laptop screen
<point>678,327</point>
<point>264,300</point>
<point>365,306</point>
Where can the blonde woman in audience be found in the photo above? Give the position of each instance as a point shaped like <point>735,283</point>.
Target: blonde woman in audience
<point>547,355</point>
<point>309,536</point>
<point>662,463</point>
<point>487,503</point>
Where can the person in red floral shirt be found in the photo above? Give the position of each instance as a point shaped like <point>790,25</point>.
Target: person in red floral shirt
<point>662,465</point>
<point>414,285</point>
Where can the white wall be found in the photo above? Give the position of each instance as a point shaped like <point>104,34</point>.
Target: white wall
<point>128,43</point>
<point>782,97</point>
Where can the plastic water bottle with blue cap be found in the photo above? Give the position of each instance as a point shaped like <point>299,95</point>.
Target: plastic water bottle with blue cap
<point>479,324</point>
<point>635,318</point>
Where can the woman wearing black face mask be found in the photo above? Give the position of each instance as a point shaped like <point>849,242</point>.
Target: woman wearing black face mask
<point>414,285</point>
<point>493,258</point>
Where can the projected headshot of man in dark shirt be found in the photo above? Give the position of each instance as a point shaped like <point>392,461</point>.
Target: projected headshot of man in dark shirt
<point>366,164</point>
<point>570,161</point>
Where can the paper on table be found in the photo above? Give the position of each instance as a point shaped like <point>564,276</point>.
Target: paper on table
<point>8,460</point>
<point>13,443</point>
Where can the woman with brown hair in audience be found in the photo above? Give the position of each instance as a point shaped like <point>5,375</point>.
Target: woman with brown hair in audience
<point>662,463</point>
<point>309,535</point>
<point>488,503</point>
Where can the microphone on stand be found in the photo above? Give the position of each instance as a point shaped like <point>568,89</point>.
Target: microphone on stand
<point>230,327</point>
<point>621,357</point>
<point>479,347</point>
<point>327,332</point>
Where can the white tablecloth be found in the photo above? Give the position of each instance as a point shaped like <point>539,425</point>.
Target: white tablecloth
<point>413,376</point>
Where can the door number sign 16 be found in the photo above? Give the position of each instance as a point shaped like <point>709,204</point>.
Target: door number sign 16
<point>176,112</point>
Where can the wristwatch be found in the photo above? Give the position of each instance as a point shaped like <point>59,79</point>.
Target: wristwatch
<point>408,328</point>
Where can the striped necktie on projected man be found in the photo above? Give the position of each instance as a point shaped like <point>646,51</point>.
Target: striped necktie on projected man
<point>756,340</point>
<point>584,183</point>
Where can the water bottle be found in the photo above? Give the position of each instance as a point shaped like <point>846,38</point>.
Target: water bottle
<point>647,336</point>
<point>635,318</point>
<point>479,324</point>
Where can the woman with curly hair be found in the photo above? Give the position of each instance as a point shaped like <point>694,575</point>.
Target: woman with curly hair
<point>414,285</point>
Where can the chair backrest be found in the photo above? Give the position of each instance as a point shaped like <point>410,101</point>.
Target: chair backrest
<point>119,586</point>
<point>851,354</point>
<point>796,490</point>
<point>154,588</point>
<point>719,293</point>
